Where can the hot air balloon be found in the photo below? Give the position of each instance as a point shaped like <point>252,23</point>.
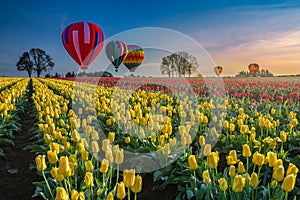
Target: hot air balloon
<point>116,51</point>
<point>83,41</point>
<point>218,70</point>
<point>134,57</point>
<point>253,68</point>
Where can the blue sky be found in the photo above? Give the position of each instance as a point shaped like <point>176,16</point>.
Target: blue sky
<point>234,32</point>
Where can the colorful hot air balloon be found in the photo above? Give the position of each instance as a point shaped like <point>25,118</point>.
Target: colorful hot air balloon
<point>116,51</point>
<point>134,57</point>
<point>253,68</point>
<point>83,41</point>
<point>218,70</point>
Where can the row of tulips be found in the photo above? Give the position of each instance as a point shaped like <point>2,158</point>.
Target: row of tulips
<point>69,152</point>
<point>12,91</point>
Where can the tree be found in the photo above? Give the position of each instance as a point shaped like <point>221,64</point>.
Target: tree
<point>25,64</point>
<point>36,59</point>
<point>180,63</point>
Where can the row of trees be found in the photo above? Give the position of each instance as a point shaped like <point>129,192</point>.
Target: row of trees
<point>260,73</point>
<point>178,64</point>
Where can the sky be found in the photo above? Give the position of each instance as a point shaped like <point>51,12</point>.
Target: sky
<point>230,33</point>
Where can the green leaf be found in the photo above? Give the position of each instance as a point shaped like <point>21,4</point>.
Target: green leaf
<point>190,194</point>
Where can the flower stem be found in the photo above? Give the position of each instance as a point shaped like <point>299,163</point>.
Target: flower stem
<point>47,184</point>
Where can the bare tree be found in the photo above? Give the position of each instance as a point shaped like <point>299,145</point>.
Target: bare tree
<point>36,59</point>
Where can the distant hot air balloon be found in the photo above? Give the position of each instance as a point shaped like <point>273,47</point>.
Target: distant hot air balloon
<point>253,68</point>
<point>218,70</point>
<point>83,41</point>
<point>116,51</point>
<point>134,57</point>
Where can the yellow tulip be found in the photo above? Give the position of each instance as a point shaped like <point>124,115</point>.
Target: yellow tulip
<point>85,155</point>
<point>104,166</point>
<point>232,158</point>
<point>278,173</point>
<point>292,169</point>
<point>206,177</point>
<point>121,191</point>
<point>231,171</point>
<point>137,186</point>
<point>40,162</point>
<point>110,196</point>
<point>201,140</point>
<point>272,158</point>
<point>119,156</point>
<point>89,166</point>
<point>111,136</point>
<point>75,135</point>
<point>52,157</point>
<point>213,160</point>
<point>88,179</point>
<point>253,180</point>
<point>127,140</point>
<point>192,162</point>
<point>247,177</point>
<point>74,195</point>
<point>246,151</point>
<point>129,177</point>
<point>283,136</point>
<point>207,150</point>
<point>55,147</point>
<point>95,147</point>
<point>258,159</point>
<point>61,194</point>
<point>223,184</point>
<point>238,183</point>
<point>64,166</point>
<point>241,168</point>
<point>289,183</point>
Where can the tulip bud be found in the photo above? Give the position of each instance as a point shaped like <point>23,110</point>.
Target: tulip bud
<point>223,184</point>
<point>213,160</point>
<point>253,180</point>
<point>137,186</point>
<point>75,135</point>
<point>104,166</point>
<point>238,183</point>
<point>89,166</point>
<point>192,162</point>
<point>119,156</point>
<point>110,196</point>
<point>201,140</point>
<point>232,158</point>
<point>289,183</point>
<point>207,150</point>
<point>121,191</point>
<point>85,155</point>
<point>95,147</point>
<point>278,173</point>
<point>127,140</point>
<point>61,194</point>
<point>292,169</point>
<point>246,151</point>
<point>258,159</point>
<point>88,179</point>
<point>63,165</point>
<point>206,177</point>
<point>231,171</point>
<point>129,177</point>
<point>52,157</point>
<point>111,136</point>
<point>241,168</point>
<point>40,163</point>
<point>272,158</point>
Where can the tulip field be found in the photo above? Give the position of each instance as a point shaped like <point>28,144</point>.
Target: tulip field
<point>102,138</point>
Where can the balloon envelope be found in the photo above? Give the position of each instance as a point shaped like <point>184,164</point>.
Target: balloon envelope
<point>116,51</point>
<point>134,57</point>
<point>218,70</point>
<point>83,41</point>
<point>253,68</point>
